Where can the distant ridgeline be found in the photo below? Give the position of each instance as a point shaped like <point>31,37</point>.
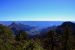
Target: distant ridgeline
<point>18,36</point>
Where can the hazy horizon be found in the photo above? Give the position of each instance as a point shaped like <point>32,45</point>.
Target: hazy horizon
<point>41,24</point>
<point>34,23</point>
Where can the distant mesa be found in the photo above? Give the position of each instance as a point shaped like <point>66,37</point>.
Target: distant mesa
<point>68,24</point>
<point>15,27</point>
<point>21,27</point>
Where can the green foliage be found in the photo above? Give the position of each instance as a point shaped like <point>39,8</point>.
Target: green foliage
<point>6,38</point>
<point>22,36</point>
<point>20,42</point>
<point>53,40</point>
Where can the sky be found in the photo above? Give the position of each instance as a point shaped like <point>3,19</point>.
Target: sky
<point>37,10</point>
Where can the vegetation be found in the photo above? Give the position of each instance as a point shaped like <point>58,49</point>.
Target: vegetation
<point>61,38</point>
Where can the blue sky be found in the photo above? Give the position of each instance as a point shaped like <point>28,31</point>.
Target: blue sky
<point>37,10</point>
